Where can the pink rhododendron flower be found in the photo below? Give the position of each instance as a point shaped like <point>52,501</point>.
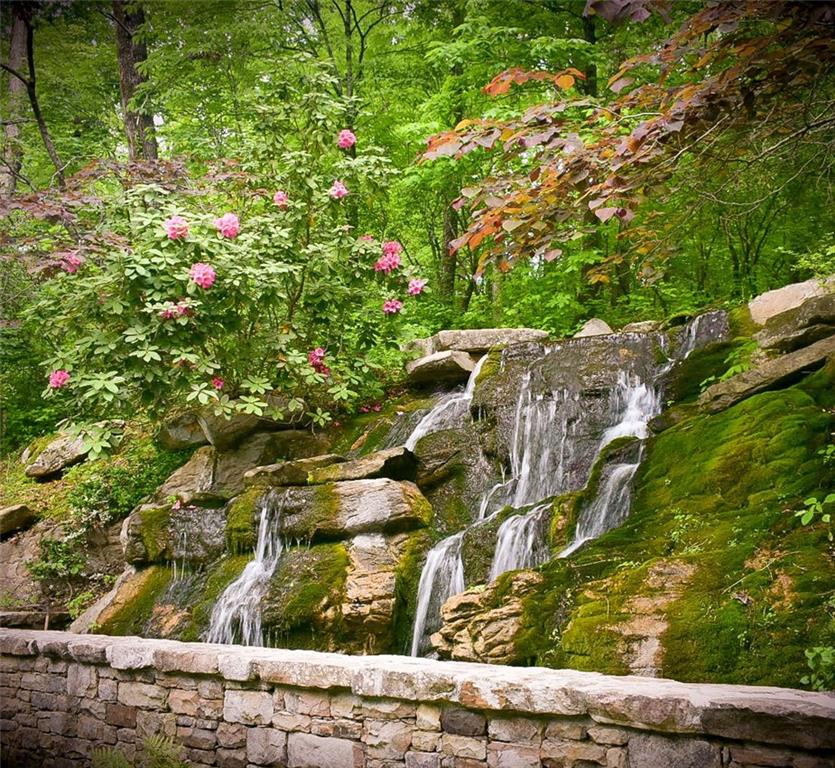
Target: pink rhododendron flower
<point>338,190</point>
<point>202,274</point>
<point>392,306</point>
<point>392,248</point>
<point>176,227</point>
<point>168,314</point>
<point>367,238</point>
<point>416,286</point>
<point>376,407</point>
<point>346,139</point>
<point>58,379</point>
<point>217,382</point>
<point>71,262</point>
<point>184,309</point>
<point>177,505</point>
<point>364,409</point>
<point>228,225</point>
<point>281,198</point>
<point>387,263</point>
<point>316,358</point>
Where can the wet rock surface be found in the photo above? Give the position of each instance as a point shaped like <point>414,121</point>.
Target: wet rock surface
<point>812,321</point>
<point>447,366</point>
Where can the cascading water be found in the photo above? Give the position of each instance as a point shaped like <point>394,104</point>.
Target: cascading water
<point>701,330</point>
<point>521,542</point>
<point>448,412</point>
<point>236,617</point>
<point>441,578</point>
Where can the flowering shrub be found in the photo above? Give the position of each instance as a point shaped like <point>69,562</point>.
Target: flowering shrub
<point>185,306</point>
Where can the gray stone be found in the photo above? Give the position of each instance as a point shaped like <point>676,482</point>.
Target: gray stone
<point>62,452</point>
<point>644,326</point>
<point>296,472</point>
<point>387,739</point>
<point>225,433</point>
<point>183,431</point>
<point>141,695</point>
<point>248,707</point>
<point>447,366</point>
<point>305,750</point>
<point>265,746</point>
<point>422,760</point>
<point>513,756</point>
<point>651,751</point>
<point>812,321</point>
<point>480,340</point>
<point>463,722</point>
<point>770,375</point>
<point>397,463</point>
<point>17,517</point>
<point>772,303</point>
<point>516,729</point>
<point>593,327</point>
<point>231,735</point>
<point>602,734</point>
<point>464,746</point>
<point>342,510</point>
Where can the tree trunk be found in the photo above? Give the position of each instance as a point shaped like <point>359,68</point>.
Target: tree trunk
<point>132,51</point>
<point>590,36</point>
<point>12,148</point>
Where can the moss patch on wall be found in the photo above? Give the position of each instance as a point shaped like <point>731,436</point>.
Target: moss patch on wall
<point>135,604</point>
<point>153,530</point>
<point>406,588</point>
<point>241,521</point>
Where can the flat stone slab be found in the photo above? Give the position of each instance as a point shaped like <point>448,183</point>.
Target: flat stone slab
<point>768,715</point>
<point>395,463</point>
<point>17,517</point>
<point>476,341</point>
<point>295,472</point>
<point>447,366</point>
<point>812,321</point>
<point>772,303</point>
<point>774,373</point>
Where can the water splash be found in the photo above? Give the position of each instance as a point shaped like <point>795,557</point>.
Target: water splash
<point>236,617</point>
<point>521,542</point>
<point>441,578</point>
<point>450,411</point>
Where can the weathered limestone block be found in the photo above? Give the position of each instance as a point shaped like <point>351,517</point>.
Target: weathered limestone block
<point>387,739</point>
<point>772,303</point>
<point>480,340</point>
<point>17,517</point>
<point>141,695</point>
<point>464,746</point>
<point>593,327</point>
<point>294,472</point>
<point>422,760</point>
<point>473,630</point>
<point>516,729</point>
<point>812,321</point>
<point>652,751</point>
<point>341,510</point>
<point>266,746</point>
<point>774,373</point>
<point>305,750</point>
<point>397,463</point>
<point>447,366</point>
<point>502,755</point>
<point>644,326</point>
<point>463,722</point>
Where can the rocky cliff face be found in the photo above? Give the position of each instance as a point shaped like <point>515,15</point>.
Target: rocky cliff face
<point>582,503</point>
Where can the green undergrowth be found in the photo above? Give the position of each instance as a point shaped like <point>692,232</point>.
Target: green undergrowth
<point>113,484</point>
<point>713,546</point>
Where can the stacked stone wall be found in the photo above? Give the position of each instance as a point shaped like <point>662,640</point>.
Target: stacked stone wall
<point>64,695</point>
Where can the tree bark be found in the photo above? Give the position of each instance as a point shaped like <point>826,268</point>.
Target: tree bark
<point>590,36</point>
<point>132,51</point>
<point>12,148</point>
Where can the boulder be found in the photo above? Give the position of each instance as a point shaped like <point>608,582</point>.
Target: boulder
<point>183,431</point>
<point>812,321</point>
<point>343,510</point>
<point>644,326</point>
<point>396,463</point>
<point>593,327</point>
<point>771,303</point>
<point>295,472</point>
<point>779,372</point>
<point>64,451</point>
<point>446,366</point>
<point>17,585</point>
<point>227,433</point>
<point>474,630</point>
<point>17,517</point>
<point>191,481</point>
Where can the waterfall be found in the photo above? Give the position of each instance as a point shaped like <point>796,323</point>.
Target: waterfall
<point>609,508</point>
<point>521,542</point>
<point>236,616</point>
<point>441,578</point>
<point>450,410</point>
<point>701,330</point>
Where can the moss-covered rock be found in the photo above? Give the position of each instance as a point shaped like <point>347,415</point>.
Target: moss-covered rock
<point>301,608</point>
<point>242,521</point>
<point>133,606</point>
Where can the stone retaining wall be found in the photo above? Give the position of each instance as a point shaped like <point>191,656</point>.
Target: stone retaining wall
<point>64,695</point>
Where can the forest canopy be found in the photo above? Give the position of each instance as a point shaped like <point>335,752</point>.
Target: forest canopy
<point>252,205</point>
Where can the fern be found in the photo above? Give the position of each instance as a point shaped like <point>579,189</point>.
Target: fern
<point>158,751</point>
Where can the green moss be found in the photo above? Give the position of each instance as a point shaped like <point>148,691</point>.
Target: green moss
<point>686,380</point>
<point>714,497</point>
<point>154,525</point>
<point>492,365</point>
<point>741,323</point>
<point>307,582</point>
<point>241,521</point>
<point>132,616</point>
<point>220,575</point>
<point>477,548</point>
<point>406,588</point>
